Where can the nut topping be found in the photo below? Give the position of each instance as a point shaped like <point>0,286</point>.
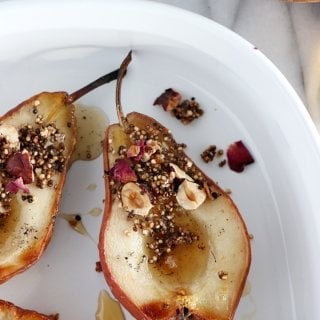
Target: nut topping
<point>135,199</point>
<point>149,172</point>
<point>180,174</point>
<point>190,196</point>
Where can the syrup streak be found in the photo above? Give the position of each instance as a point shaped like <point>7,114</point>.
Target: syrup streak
<point>92,187</point>
<point>75,221</point>
<point>91,124</point>
<point>108,308</point>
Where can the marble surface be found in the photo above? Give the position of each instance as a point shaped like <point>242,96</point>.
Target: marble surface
<point>287,33</point>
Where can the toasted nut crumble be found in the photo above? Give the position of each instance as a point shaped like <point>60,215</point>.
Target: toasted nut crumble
<point>222,163</point>
<point>39,147</point>
<point>209,154</point>
<point>46,148</point>
<point>164,185</point>
<point>185,111</point>
<point>188,111</point>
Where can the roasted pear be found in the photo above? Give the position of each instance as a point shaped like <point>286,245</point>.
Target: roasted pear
<point>36,141</point>
<point>9,311</point>
<point>173,245</point>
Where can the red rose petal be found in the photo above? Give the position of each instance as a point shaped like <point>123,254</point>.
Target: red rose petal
<point>122,172</point>
<point>169,100</point>
<point>238,156</point>
<point>19,165</point>
<point>16,185</point>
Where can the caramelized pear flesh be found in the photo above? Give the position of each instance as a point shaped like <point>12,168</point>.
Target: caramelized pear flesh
<point>9,311</point>
<point>37,139</point>
<point>203,276</point>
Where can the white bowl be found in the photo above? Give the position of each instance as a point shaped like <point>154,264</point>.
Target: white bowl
<point>64,45</point>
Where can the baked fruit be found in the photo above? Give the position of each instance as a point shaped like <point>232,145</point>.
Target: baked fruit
<point>9,311</point>
<point>36,141</point>
<point>173,245</point>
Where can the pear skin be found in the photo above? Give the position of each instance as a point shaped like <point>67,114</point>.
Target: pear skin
<point>28,217</point>
<point>199,274</point>
<point>10,311</point>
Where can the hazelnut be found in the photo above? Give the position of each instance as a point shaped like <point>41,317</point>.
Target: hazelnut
<point>189,196</point>
<point>180,174</point>
<point>135,199</point>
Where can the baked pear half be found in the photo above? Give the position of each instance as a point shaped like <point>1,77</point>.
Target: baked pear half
<point>173,245</point>
<point>37,139</point>
<point>9,311</point>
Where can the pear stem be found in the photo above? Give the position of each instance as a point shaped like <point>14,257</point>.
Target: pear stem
<point>91,86</point>
<point>122,71</point>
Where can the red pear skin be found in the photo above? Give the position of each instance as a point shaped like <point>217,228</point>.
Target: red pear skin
<point>201,280</point>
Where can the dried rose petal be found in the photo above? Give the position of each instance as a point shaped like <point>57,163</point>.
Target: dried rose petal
<point>122,172</point>
<point>169,100</point>
<point>238,156</point>
<point>138,150</point>
<point>16,185</point>
<point>133,151</point>
<point>19,165</point>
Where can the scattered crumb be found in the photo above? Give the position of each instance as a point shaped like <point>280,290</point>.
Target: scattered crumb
<point>228,191</point>
<point>251,236</point>
<point>220,153</point>
<point>222,163</point>
<point>188,111</point>
<point>169,99</point>
<point>185,111</point>
<point>98,266</point>
<point>209,154</point>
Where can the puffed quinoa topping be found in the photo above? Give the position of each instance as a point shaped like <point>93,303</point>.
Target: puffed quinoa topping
<point>150,153</point>
<point>45,146</point>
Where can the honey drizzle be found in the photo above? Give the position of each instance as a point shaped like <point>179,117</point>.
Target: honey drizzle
<point>108,308</point>
<point>75,222</point>
<point>91,125</point>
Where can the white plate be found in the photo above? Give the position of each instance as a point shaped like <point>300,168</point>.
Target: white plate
<point>62,46</point>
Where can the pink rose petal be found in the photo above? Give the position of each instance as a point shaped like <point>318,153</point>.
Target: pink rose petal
<point>19,165</point>
<point>122,172</point>
<point>137,151</point>
<point>16,185</point>
<point>238,156</point>
<point>133,151</point>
